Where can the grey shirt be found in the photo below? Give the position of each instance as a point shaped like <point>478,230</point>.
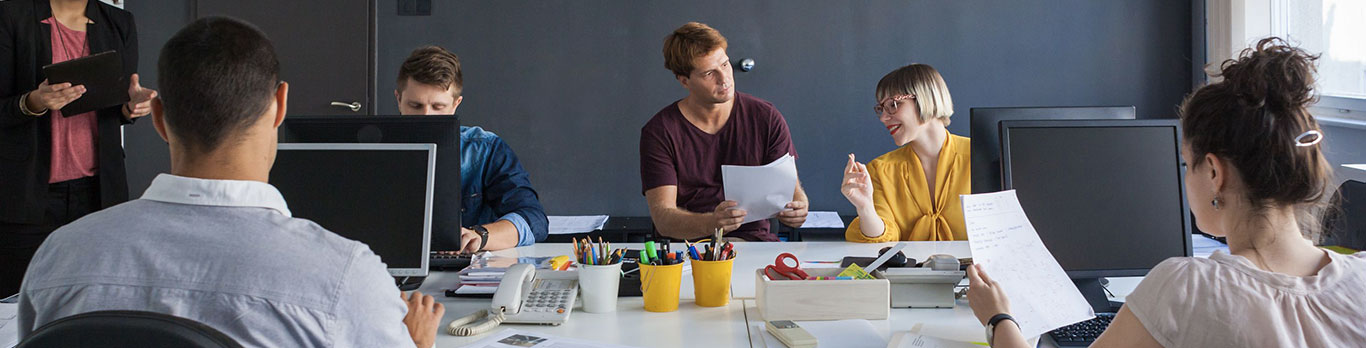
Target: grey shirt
<point>224,253</point>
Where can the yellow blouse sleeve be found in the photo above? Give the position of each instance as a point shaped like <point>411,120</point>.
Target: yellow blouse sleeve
<point>883,204</point>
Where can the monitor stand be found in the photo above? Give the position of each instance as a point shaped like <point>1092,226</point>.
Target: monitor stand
<point>1093,290</point>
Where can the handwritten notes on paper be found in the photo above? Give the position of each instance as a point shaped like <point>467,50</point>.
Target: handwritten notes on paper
<point>1042,297</point>
<point>762,191</point>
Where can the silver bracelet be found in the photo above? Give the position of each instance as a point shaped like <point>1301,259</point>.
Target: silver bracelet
<point>23,106</point>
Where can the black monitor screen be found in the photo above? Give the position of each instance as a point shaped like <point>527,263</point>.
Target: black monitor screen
<point>986,136</point>
<point>377,197</point>
<point>1107,197</point>
<point>442,130</point>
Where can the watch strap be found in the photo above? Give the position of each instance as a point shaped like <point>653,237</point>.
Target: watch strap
<point>998,318</point>
<point>991,326</point>
<point>483,236</point>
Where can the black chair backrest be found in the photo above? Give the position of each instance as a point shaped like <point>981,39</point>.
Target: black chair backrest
<point>1346,223</point>
<point>126,329</point>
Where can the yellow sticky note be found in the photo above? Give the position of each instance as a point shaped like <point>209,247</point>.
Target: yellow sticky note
<point>855,272</point>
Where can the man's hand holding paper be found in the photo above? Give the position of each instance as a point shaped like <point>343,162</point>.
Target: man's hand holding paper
<point>765,191</point>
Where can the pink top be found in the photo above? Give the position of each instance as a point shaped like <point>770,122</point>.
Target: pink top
<point>73,138</point>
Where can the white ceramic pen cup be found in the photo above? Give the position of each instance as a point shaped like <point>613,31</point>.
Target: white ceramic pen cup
<point>598,287</point>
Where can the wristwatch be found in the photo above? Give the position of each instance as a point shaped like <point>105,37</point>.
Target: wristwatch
<point>991,326</point>
<point>483,236</point>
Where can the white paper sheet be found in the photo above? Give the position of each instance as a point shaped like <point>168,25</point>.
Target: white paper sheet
<point>761,191</point>
<point>513,338</point>
<point>1202,246</point>
<point>576,224</point>
<point>823,219</point>
<point>9,324</point>
<point>906,339</point>
<point>1042,297</point>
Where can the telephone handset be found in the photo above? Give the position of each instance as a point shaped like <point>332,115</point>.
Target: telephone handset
<point>524,296</point>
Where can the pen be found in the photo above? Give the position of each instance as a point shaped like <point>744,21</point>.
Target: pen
<point>644,258</point>
<point>594,254</point>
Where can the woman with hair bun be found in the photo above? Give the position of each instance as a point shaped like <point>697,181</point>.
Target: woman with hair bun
<point>1254,168</point>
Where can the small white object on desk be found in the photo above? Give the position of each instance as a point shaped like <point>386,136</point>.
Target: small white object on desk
<point>576,224</point>
<point>761,191</point>
<point>823,219</point>
<point>1007,247</point>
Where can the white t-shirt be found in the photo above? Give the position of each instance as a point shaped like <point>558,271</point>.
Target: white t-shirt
<point>1226,301</point>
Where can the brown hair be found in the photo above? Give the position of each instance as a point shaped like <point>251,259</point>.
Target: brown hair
<point>432,65</point>
<point>688,42</point>
<point>924,82</point>
<point>1254,118</point>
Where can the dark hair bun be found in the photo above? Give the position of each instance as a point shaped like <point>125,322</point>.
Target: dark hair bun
<point>1254,120</point>
<point>1273,74</point>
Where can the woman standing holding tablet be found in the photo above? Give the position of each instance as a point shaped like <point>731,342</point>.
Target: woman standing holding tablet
<point>1254,167</point>
<point>912,192</point>
<point>55,168</point>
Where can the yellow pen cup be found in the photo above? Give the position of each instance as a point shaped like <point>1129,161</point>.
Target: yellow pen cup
<point>659,286</point>
<point>711,282</point>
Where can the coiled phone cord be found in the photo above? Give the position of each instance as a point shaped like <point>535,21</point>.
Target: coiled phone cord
<point>475,323</point>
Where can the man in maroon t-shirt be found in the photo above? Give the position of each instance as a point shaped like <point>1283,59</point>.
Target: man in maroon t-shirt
<point>683,146</point>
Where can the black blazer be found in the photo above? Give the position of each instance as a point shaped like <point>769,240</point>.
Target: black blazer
<point>26,141</point>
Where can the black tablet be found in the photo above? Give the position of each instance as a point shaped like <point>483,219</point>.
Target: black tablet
<point>105,82</point>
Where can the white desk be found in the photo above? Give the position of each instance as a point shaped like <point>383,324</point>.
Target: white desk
<point>730,326</point>
<point>630,325</point>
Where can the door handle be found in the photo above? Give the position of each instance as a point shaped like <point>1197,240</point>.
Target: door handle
<point>354,106</point>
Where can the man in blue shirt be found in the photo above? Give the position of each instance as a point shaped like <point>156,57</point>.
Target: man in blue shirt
<point>499,205</point>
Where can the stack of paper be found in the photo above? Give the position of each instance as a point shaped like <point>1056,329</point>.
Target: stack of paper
<point>486,272</point>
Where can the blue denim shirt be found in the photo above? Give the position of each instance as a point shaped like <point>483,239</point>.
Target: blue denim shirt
<point>497,188</point>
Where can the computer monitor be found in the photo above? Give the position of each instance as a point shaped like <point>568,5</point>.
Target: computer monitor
<point>986,139</point>
<point>377,194</point>
<point>444,131</point>
<point>1106,196</point>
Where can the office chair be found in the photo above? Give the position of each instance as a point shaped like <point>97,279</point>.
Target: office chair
<point>1345,223</point>
<point>126,329</point>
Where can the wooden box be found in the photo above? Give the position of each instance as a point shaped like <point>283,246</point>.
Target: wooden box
<point>822,299</point>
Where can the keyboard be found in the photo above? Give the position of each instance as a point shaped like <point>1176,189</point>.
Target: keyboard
<point>1082,334</point>
<point>448,261</point>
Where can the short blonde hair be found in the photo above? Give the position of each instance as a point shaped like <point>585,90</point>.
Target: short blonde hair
<point>922,81</point>
<point>688,42</point>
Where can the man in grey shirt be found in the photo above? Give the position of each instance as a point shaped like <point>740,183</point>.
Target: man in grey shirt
<point>212,241</point>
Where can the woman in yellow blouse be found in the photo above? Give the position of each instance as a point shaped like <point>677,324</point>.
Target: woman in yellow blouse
<point>912,192</point>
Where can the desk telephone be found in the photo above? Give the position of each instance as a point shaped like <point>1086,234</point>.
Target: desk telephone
<point>524,296</point>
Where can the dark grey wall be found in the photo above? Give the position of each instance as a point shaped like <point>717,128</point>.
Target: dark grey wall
<point>146,153</point>
<point>569,83</point>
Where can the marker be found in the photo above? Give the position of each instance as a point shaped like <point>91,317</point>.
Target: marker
<point>650,247</point>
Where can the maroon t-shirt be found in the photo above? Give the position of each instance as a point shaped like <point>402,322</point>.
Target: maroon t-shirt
<point>674,152</point>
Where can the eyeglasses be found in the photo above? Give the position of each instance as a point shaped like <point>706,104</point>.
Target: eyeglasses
<point>891,104</point>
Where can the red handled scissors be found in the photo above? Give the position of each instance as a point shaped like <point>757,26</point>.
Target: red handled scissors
<point>779,270</point>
